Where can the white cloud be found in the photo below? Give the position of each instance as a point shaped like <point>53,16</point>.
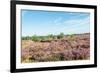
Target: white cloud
<point>77,25</point>
<point>75,22</point>
<point>58,21</point>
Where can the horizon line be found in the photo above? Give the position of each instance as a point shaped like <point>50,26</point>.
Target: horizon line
<point>56,34</point>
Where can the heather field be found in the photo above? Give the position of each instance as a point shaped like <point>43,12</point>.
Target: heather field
<point>55,48</point>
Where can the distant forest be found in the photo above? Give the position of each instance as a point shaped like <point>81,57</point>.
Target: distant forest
<point>46,38</point>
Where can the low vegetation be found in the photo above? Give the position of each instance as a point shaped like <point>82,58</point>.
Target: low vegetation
<point>55,48</point>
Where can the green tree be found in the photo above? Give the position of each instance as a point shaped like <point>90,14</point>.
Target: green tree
<point>61,35</point>
<point>26,38</point>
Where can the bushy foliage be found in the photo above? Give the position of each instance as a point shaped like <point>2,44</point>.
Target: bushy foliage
<point>35,38</point>
<point>61,35</point>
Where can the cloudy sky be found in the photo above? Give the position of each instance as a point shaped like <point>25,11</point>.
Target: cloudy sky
<point>52,22</point>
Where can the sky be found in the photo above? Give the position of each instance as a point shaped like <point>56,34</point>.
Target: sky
<point>35,22</point>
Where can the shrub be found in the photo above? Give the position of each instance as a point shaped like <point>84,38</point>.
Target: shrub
<point>61,35</point>
<point>35,38</point>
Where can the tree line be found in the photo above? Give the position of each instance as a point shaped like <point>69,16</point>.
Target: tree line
<point>44,38</point>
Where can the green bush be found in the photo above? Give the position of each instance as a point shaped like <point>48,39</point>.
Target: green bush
<point>61,35</point>
<point>35,38</point>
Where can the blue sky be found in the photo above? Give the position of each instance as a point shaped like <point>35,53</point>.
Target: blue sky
<point>52,22</point>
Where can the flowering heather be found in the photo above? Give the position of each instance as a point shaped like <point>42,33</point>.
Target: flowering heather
<point>68,48</point>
